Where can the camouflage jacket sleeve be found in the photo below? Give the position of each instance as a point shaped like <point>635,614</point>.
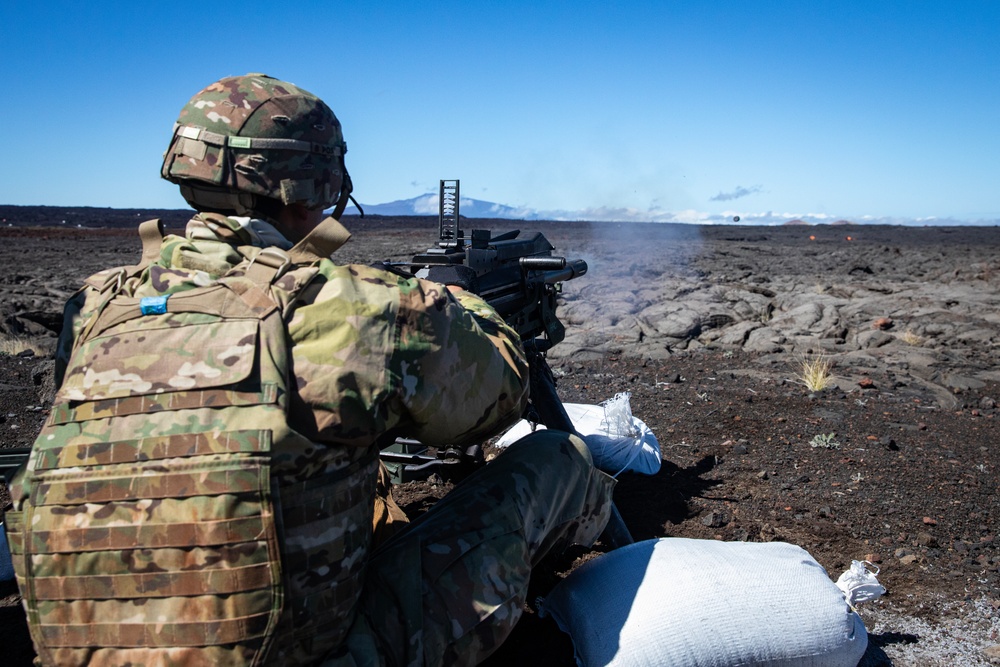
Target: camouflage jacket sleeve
<point>459,372</point>
<point>376,353</point>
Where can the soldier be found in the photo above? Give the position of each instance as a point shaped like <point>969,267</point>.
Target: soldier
<point>207,489</point>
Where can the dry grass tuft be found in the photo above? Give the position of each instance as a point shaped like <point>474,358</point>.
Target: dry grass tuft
<point>12,346</point>
<point>815,373</point>
<point>910,338</point>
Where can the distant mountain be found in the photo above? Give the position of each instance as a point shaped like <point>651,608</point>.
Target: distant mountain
<point>428,205</point>
<point>476,208</point>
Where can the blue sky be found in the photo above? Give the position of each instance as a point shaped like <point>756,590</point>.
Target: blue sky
<point>663,110</point>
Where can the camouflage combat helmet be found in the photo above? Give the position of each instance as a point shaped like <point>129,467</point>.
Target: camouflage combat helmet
<point>253,136</point>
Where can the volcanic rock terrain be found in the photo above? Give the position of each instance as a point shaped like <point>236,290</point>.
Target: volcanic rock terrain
<point>709,329</point>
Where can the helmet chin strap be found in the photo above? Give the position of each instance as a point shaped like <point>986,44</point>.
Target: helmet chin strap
<point>361,211</point>
<point>345,195</point>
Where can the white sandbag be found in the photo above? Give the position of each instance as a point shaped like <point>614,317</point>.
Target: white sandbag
<point>617,440</point>
<point>702,603</point>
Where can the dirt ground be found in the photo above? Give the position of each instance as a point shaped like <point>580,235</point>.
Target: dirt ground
<point>896,463</point>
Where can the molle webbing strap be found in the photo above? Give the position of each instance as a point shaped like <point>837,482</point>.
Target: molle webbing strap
<point>151,584</point>
<point>153,448</point>
<point>151,234</point>
<point>149,536</point>
<point>320,243</point>
<point>180,400</point>
<point>108,488</point>
<point>196,633</point>
<point>259,143</point>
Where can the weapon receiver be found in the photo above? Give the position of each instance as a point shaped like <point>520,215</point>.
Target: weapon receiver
<point>518,276</point>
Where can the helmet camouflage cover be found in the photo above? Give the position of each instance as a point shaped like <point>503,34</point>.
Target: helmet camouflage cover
<point>249,136</point>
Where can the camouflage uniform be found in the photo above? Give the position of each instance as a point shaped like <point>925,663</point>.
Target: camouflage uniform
<point>449,588</point>
<point>370,355</point>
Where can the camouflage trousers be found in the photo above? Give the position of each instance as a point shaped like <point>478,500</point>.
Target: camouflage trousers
<point>449,588</point>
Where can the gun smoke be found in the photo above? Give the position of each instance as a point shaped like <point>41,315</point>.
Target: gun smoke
<point>617,305</point>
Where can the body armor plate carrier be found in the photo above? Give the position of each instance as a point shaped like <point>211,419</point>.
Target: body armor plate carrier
<point>144,528</point>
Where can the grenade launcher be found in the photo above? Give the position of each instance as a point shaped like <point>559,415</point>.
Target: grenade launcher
<point>521,279</point>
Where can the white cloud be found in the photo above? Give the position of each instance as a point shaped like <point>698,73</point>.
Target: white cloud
<point>739,192</point>
<point>426,205</point>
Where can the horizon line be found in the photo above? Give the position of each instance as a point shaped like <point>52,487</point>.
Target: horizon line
<point>607,215</point>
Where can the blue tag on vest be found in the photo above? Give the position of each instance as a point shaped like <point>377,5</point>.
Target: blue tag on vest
<point>153,305</point>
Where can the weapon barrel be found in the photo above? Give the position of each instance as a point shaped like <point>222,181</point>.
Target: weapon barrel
<point>542,263</point>
<point>573,269</point>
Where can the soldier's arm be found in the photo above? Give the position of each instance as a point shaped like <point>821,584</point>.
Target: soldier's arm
<point>458,371</point>
<point>377,354</point>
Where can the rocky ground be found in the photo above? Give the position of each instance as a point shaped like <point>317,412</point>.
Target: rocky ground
<point>708,328</point>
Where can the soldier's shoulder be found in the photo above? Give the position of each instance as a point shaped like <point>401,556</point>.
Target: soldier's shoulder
<point>354,287</point>
<point>373,278</point>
